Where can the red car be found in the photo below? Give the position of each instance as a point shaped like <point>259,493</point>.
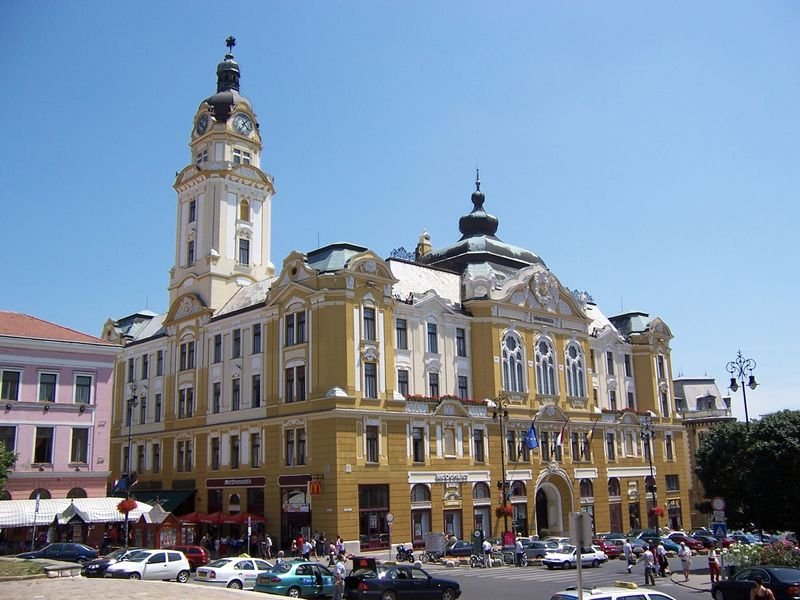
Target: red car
<point>690,542</point>
<point>196,555</point>
<point>611,550</point>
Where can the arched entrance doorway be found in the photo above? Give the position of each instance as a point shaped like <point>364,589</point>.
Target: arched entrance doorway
<point>550,506</point>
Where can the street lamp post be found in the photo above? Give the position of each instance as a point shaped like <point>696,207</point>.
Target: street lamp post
<point>132,402</point>
<point>646,425</point>
<point>500,413</point>
<point>741,370</point>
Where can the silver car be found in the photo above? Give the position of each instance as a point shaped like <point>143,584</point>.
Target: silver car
<point>152,564</point>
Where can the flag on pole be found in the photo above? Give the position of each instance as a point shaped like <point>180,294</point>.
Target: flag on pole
<point>530,439</point>
<point>560,438</point>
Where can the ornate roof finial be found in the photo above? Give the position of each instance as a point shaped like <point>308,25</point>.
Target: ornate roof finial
<point>477,179</point>
<point>230,43</point>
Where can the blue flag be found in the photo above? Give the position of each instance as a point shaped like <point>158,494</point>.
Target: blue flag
<point>530,439</point>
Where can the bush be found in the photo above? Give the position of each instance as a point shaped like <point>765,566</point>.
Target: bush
<point>746,555</point>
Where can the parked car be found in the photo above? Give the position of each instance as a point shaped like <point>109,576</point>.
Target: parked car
<point>370,581</point>
<point>458,548</point>
<point>98,566</point>
<point>744,538</point>
<point>296,579</point>
<point>612,593</point>
<point>610,549</point>
<point>670,545</point>
<point>197,555</point>
<point>152,564</point>
<point>783,581</point>
<point>67,551</point>
<point>692,543</point>
<point>708,541</point>
<point>637,546</point>
<point>561,541</point>
<point>567,557</point>
<point>724,541</point>
<point>237,573</point>
<point>538,549</point>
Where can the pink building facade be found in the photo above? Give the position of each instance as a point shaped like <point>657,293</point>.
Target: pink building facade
<point>55,408</point>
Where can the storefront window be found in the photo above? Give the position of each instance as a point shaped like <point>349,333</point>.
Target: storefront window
<point>373,505</point>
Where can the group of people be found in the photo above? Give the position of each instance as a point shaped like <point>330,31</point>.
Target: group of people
<point>224,545</point>
<point>656,563</point>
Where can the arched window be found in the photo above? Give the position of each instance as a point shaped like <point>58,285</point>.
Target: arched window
<point>481,490</point>
<point>649,484</point>
<point>77,493</point>
<point>43,494</point>
<point>613,487</point>
<point>575,381</point>
<point>420,493</point>
<point>518,489</point>
<point>244,210</point>
<point>545,368</point>
<point>587,489</point>
<point>513,359</point>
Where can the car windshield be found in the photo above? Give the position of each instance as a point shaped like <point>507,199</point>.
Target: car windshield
<point>568,549</point>
<point>139,556</point>
<point>220,563</point>
<point>281,568</point>
<point>116,553</point>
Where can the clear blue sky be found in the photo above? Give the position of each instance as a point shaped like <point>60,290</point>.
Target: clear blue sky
<point>648,151</point>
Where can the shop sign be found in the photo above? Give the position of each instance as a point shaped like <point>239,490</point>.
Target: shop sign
<point>450,477</point>
<point>236,482</point>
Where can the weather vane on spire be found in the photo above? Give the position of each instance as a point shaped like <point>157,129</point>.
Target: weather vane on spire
<point>230,43</point>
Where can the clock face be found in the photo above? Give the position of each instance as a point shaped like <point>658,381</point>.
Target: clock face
<point>202,125</point>
<point>242,124</point>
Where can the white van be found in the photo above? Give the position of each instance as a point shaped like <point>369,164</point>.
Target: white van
<point>152,564</point>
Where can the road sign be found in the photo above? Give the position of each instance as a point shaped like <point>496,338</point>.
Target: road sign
<point>718,517</point>
<point>719,529</point>
<point>718,503</point>
<point>389,517</point>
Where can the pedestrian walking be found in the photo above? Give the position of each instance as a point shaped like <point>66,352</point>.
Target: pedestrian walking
<point>713,565</point>
<point>649,567</point>
<point>661,558</point>
<point>685,554</point>
<point>759,592</point>
<point>487,553</point>
<point>520,551</point>
<point>338,578</point>
<point>267,546</point>
<point>630,557</point>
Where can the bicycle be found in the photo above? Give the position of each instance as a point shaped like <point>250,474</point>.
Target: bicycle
<point>430,556</point>
<point>510,559</point>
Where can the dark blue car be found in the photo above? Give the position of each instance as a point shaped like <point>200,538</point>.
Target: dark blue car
<point>67,551</point>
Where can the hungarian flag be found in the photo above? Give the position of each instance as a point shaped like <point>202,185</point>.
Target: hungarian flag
<point>530,439</point>
<point>560,438</point>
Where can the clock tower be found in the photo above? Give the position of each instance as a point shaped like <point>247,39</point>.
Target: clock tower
<point>222,235</point>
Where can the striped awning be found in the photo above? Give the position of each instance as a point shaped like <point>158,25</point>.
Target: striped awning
<point>23,513</point>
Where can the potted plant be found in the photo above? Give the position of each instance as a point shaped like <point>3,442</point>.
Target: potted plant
<point>127,505</point>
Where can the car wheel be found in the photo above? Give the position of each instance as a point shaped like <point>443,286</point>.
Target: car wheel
<point>718,595</point>
<point>293,592</point>
<point>134,576</point>
<point>424,558</point>
<point>565,565</point>
<point>550,567</point>
<point>234,585</point>
<point>80,560</point>
<point>595,563</point>
<point>448,594</point>
<point>182,577</point>
<point>387,595</point>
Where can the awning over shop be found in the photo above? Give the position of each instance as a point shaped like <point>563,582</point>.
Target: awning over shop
<point>169,500</point>
<point>23,513</point>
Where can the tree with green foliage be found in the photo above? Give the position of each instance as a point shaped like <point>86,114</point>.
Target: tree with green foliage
<point>754,470</point>
<point>7,461</point>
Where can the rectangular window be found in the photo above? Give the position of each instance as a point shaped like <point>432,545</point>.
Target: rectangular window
<point>433,341</point>
<point>160,363</point>
<point>10,385</point>
<point>142,409</point>
<point>660,366</point>
<point>301,383</point>
<point>235,395</point>
<point>236,349</point>
<point>433,384</point>
<point>463,387</point>
<point>189,458</point>
<point>184,455</point>
<point>215,454</point>
<point>631,401</point>
<point>612,399</point>
<point>80,446</point>
<point>180,458</point>
<point>185,403</point>
<point>610,363</point>
<point>575,446</point>
<point>43,447</point>
<point>477,437</point>
<point>628,369</point>
<point>544,445</point>
<point>255,399</point>
<point>244,251</point>
<point>189,252</point>
<point>418,444</point>
<point>627,442</point>
<point>370,380</point>
<point>301,327</point>
<point>157,410</point>
<point>8,437</point>
<point>83,389</point>
<point>47,387</point>
<point>140,458</point>
<point>673,483</point>
<point>288,334</point>
<point>241,157</point>
<point>289,385</point>
<point>295,447</point>
<point>257,338</point>
<point>586,447</point>
<point>401,333</point>
<point>511,446</point>
<point>255,450</point>
<point>610,447</point>
<point>372,444</point>
<point>664,404</point>
<point>155,457</point>
<point>402,381</point>
<point>145,365</point>
<point>192,211</point>
<point>186,356</point>
<point>669,449</point>
<point>131,370</point>
<point>461,341</point>
<point>234,452</point>
<point>369,323</point>
<point>216,397</point>
<point>218,348</point>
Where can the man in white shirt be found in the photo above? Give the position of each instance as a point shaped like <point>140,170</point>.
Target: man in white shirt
<point>649,567</point>
<point>487,553</point>
<point>627,550</point>
<point>338,578</point>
